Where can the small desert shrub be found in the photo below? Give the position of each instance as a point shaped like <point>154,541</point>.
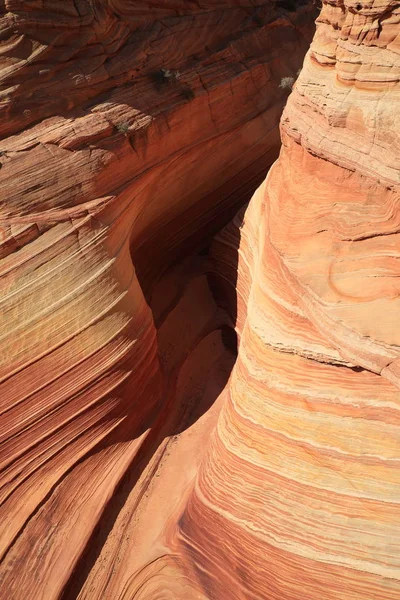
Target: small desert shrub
<point>286,83</point>
<point>164,76</point>
<point>123,127</point>
<point>170,74</point>
<point>188,93</point>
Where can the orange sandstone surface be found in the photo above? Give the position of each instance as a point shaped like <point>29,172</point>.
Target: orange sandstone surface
<point>131,132</point>
<point>187,424</point>
<point>298,494</point>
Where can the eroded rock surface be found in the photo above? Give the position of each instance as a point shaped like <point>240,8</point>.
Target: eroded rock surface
<point>135,462</point>
<point>130,133</point>
<point>298,494</point>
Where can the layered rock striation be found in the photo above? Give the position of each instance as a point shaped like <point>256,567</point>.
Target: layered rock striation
<point>298,494</point>
<point>130,133</point>
<point>136,463</point>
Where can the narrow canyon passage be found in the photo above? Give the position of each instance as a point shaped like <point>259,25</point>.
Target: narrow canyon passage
<point>196,343</point>
<point>200,351</point>
<point>131,133</point>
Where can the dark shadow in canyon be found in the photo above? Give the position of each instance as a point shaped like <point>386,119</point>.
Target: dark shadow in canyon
<point>170,420</point>
<point>167,241</point>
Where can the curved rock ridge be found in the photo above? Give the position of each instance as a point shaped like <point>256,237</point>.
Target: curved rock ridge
<point>298,495</point>
<point>130,133</point>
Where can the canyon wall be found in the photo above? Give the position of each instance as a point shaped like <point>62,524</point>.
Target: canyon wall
<point>298,494</point>
<point>130,133</point>
<point>136,462</point>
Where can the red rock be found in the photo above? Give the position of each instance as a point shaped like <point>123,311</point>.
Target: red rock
<point>298,493</point>
<point>110,171</point>
<point>121,477</point>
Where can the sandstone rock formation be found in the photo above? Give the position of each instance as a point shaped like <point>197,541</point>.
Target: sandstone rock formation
<point>298,495</point>
<point>130,133</point>
<point>136,463</point>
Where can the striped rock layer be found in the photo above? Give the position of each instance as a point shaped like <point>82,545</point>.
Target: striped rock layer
<point>131,132</point>
<point>121,477</point>
<point>298,495</point>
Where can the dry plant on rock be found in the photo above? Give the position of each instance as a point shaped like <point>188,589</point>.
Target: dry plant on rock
<point>286,83</point>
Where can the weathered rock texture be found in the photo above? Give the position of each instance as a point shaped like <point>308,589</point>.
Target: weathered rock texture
<point>122,478</point>
<point>130,132</point>
<point>298,495</point>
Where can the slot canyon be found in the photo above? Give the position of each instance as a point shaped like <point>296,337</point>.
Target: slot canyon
<point>200,277</point>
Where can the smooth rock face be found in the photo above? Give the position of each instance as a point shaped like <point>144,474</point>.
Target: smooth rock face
<point>131,133</point>
<point>298,495</point>
<point>135,462</point>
